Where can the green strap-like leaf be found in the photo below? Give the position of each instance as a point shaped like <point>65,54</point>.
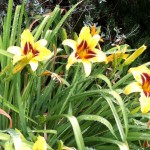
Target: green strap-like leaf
<point>75,127</point>
<point>14,26</point>
<point>5,53</point>
<point>99,119</point>
<point>123,109</point>
<point>122,146</point>
<point>104,78</point>
<point>62,21</point>
<point>116,116</point>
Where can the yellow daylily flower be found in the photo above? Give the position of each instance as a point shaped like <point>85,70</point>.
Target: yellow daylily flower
<point>84,50</point>
<point>142,85</point>
<point>30,52</point>
<point>40,144</point>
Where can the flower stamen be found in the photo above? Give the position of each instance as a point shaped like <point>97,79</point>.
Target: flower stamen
<point>29,48</point>
<point>83,51</point>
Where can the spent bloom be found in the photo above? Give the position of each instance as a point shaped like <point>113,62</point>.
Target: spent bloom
<point>142,85</point>
<point>40,144</point>
<point>30,52</point>
<point>84,50</point>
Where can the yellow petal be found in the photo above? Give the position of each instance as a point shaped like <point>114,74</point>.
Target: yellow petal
<point>137,71</point>
<point>94,41</point>
<point>40,144</point>
<point>84,35</point>
<point>71,61</point>
<point>17,58</point>
<point>24,146</point>
<point>40,43</point>
<point>70,43</point>
<point>87,67</point>
<point>100,56</point>
<point>34,64</point>
<point>145,103</point>
<point>15,50</point>
<point>43,54</point>
<point>133,87</point>
<point>26,36</point>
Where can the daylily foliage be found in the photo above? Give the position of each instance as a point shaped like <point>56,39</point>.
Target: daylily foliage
<point>66,107</point>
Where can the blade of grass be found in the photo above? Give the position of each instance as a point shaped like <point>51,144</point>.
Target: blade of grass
<point>7,25</point>
<point>122,80</point>
<point>14,26</point>
<point>20,23</point>
<point>135,136</point>
<point>118,121</point>
<point>15,109</point>
<point>75,127</point>
<point>104,78</point>
<point>53,15</point>
<point>5,53</point>
<point>122,146</point>
<point>99,119</point>
<point>21,109</point>
<point>55,31</point>
<point>41,27</point>
<point>123,109</point>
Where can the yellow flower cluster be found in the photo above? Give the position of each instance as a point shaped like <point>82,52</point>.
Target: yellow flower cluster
<point>85,51</point>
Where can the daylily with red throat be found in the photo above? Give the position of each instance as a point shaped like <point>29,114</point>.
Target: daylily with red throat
<point>30,52</point>
<point>84,50</point>
<point>142,76</point>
